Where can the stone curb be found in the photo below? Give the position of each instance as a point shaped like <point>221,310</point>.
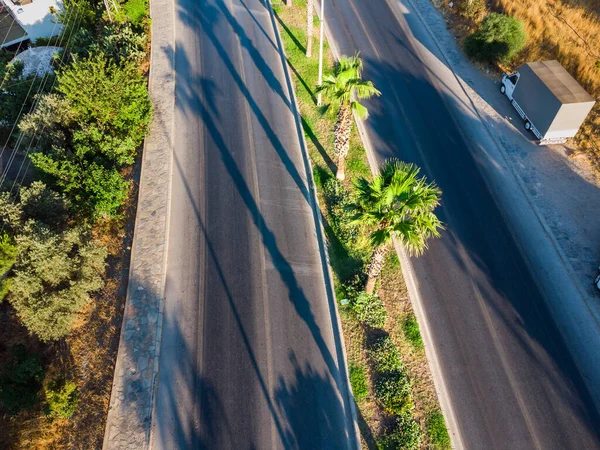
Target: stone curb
<point>319,226</point>
<point>132,397</point>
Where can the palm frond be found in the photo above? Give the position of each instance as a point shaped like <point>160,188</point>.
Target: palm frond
<point>360,111</point>
<point>397,202</point>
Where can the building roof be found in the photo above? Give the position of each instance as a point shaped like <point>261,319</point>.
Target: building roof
<point>10,30</point>
<point>560,82</point>
<point>34,17</point>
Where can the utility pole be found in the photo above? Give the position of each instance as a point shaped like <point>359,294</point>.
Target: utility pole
<point>321,49</point>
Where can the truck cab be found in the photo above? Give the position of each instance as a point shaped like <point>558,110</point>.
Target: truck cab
<point>509,81</point>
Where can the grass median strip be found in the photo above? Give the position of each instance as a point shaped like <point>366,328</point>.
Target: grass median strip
<point>392,385</point>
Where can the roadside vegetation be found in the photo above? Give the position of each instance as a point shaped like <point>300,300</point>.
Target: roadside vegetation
<point>565,30</point>
<point>69,141</point>
<point>395,397</point>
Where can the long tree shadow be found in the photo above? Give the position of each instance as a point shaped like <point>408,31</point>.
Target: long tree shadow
<point>302,82</point>
<point>206,18</point>
<point>290,34</point>
<point>196,100</point>
<point>315,141</point>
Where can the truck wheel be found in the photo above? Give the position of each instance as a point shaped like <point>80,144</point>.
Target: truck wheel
<point>503,89</point>
<point>527,125</point>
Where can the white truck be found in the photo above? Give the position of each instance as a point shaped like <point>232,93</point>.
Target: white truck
<point>551,102</point>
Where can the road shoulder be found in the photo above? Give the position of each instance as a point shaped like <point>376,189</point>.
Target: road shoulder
<point>132,397</point>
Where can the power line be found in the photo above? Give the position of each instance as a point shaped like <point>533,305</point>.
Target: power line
<point>34,104</point>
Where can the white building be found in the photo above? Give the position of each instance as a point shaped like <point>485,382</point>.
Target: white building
<point>22,20</point>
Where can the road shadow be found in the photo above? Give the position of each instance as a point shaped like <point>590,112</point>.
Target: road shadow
<point>482,247</point>
<point>418,119</point>
<point>199,98</point>
<point>315,141</point>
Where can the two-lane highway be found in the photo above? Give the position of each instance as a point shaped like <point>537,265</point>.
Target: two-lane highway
<point>250,355</point>
<point>511,381</point>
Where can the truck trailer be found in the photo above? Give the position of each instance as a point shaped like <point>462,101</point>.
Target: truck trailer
<point>552,104</point>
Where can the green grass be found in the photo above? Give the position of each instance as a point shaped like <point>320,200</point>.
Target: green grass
<point>411,331</point>
<point>358,381</point>
<point>438,434</point>
<point>347,259</point>
<point>136,10</point>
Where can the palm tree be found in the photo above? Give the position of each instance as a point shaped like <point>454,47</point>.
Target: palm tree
<point>397,203</point>
<point>342,89</point>
<point>309,27</point>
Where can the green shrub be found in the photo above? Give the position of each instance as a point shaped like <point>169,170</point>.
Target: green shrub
<point>36,202</point>
<point>8,256</point>
<point>20,381</point>
<point>392,389</point>
<point>17,97</point>
<point>385,356</point>
<point>472,9</point>
<point>136,11</point>
<point>114,107</point>
<point>53,278</point>
<point>320,176</point>
<point>358,381</point>
<point>436,429</point>
<point>369,309</point>
<point>61,398</point>
<point>340,217</point>
<point>106,122</point>
<point>411,331</point>
<point>498,39</point>
<point>56,267</point>
<point>8,253</point>
<point>406,435</point>
<point>122,44</point>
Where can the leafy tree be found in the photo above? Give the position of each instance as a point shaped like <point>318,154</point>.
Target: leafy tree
<point>20,381</point>
<point>121,44</point>
<point>97,191</point>
<point>342,90</point>
<point>56,267</point>
<point>14,99</point>
<point>35,202</point>
<point>111,103</point>
<point>48,125</point>
<point>54,276</point>
<point>8,256</point>
<point>61,398</point>
<point>91,128</point>
<point>397,203</point>
<point>498,39</point>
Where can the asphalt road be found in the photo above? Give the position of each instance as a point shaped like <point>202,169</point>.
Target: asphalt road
<point>512,383</point>
<point>250,355</point>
